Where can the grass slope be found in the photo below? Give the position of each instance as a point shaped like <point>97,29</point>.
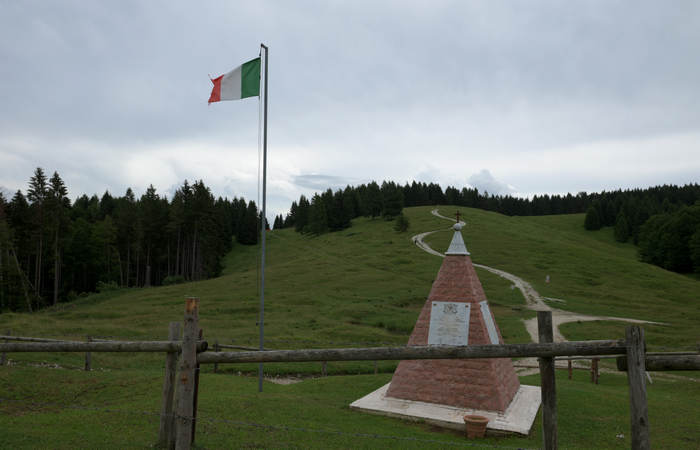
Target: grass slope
<point>358,287</point>
<point>592,272</point>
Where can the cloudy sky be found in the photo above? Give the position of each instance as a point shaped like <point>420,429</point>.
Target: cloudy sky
<point>510,97</point>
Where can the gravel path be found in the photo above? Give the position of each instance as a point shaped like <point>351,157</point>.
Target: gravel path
<point>533,299</point>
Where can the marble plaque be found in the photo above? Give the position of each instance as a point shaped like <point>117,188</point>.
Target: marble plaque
<point>488,319</point>
<point>449,323</point>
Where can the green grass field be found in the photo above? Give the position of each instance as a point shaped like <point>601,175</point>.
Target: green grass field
<point>359,287</point>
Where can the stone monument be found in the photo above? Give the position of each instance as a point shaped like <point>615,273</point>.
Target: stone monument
<point>443,391</point>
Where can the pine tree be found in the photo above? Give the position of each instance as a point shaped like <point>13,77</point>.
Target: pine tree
<point>373,200</point>
<point>126,212</point>
<point>592,221</point>
<point>401,223</point>
<point>37,193</point>
<point>318,218</point>
<point>622,231</point>
<point>248,230</point>
<point>58,206</point>
<point>694,246</point>
<point>107,205</point>
<point>301,220</point>
<point>393,199</point>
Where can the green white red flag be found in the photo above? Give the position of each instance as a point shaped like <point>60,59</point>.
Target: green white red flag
<point>241,82</point>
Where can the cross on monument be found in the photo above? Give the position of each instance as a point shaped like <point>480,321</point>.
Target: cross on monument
<point>458,216</point>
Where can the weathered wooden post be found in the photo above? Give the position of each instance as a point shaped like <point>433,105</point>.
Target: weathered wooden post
<point>88,357</point>
<point>196,392</point>
<point>167,418</point>
<point>216,349</point>
<point>185,390</point>
<point>548,383</point>
<point>3,356</point>
<point>594,370</point>
<point>323,368</point>
<point>639,413</point>
<point>571,369</point>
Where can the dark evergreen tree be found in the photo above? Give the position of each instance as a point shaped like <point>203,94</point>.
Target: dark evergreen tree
<point>373,200</point>
<point>401,223</point>
<point>694,247</point>
<point>248,229</point>
<point>301,219</point>
<point>58,207</point>
<point>36,194</point>
<point>592,221</point>
<point>107,205</point>
<point>622,231</point>
<point>393,200</point>
<point>318,218</point>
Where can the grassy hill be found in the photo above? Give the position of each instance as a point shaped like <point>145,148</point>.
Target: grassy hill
<point>363,286</point>
<point>592,272</point>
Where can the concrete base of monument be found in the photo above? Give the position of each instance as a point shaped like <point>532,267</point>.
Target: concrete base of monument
<point>517,418</point>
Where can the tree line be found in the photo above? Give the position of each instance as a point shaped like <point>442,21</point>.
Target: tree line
<point>663,221</point>
<point>668,240</point>
<point>332,211</point>
<point>52,249</point>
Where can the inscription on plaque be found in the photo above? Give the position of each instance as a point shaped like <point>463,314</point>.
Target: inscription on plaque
<point>488,319</point>
<point>449,323</point>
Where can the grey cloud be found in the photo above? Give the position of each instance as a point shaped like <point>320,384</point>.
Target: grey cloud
<point>485,182</point>
<point>7,194</point>
<point>320,182</point>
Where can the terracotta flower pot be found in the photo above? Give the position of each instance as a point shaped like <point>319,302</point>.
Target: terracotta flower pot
<point>476,426</point>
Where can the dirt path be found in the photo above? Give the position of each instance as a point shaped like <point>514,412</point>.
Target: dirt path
<point>533,299</point>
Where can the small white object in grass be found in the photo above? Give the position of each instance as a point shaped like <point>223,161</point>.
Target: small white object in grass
<point>620,436</point>
<point>457,226</point>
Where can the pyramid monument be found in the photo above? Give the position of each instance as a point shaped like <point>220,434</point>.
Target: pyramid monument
<point>485,384</point>
<point>441,391</point>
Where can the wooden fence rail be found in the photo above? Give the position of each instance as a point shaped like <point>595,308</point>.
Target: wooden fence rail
<point>664,362</point>
<point>121,346</point>
<point>611,347</point>
<point>33,339</point>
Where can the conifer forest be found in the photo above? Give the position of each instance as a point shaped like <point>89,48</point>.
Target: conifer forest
<point>53,250</point>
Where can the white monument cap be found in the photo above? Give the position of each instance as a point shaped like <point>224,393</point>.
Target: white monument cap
<point>457,246</point>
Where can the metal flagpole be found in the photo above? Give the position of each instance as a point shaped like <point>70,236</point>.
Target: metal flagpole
<point>263,231</point>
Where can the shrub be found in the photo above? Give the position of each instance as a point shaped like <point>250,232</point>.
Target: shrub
<point>105,287</point>
<point>401,223</point>
<point>173,279</point>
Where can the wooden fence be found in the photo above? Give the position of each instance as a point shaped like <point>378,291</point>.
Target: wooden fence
<point>179,405</point>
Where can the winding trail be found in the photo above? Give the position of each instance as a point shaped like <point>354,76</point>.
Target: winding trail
<point>533,300</point>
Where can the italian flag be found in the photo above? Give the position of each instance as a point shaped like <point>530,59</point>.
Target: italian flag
<point>241,82</point>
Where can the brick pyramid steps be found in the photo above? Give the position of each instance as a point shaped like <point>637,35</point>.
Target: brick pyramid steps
<point>479,384</point>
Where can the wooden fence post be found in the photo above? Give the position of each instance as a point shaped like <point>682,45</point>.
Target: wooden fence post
<point>167,419</point>
<point>196,392</point>
<point>548,383</point>
<point>571,369</point>
<point>594,370</point>
<point>88,358</point>
<point>185,391</point>
<point>639,413</point>
<point>3,357</point>
<point>216,349</point>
